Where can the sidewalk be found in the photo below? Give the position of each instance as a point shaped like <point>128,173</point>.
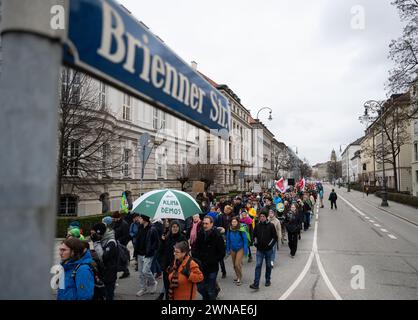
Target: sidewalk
<point>400,210</point>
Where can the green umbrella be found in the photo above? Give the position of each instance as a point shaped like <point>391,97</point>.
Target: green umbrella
<point>166,204</point>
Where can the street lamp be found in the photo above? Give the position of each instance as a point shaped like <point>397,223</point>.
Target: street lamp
<point>373,106</point>
<point>270,117</point>
<point>348,165</point>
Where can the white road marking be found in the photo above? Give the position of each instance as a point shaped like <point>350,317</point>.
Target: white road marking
<point>314,253</point>
<point>377,225</point>
<point>392,236</point>
<point>367,218</point>
<point>384,230</point>
<point>317,216</point>
<point>372,221</point>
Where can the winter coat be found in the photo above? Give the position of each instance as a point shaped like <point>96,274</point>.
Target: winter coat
<point>121,229</point>
<point>237,209</point>
<point>147,241</point>
<point>250,224</point>
<point>293,221</point>
<point>225,220</point>
<point>265,236</point>
<point>166,251</point>
<point>332,196</point>
<point>210,249</point>
<point>107,252</point>
<point>133,231</point>
<point>277,226</point>
<point>80,285</point>
<point>236,240</point>
<point>186,289</point>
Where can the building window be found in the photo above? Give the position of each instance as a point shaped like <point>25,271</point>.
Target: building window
<point>416,151</point>
<point>102,95</point>
<point>75,88</point>
<point>125,168</point>
<point>163,120</point>
<point>68,205</point>
<point>416,176</point>
<point>71,154</point>
<point>105,160</point>
<point>155,119</point>
<point>415,127</point>
<point>126,112</point>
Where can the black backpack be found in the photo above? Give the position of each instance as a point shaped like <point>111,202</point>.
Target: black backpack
<point>99,287</point>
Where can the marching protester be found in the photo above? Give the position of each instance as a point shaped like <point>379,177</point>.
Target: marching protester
<point>265,238</point>
<point>333,198</point>
<point>276,222</point>
<point>147,244</point>
<point>183,274</point>
<point>133,232</point>
<point>210,249</point>
<point>245,219</point>
<point>293,224</point>
<point>79,278</point>
<point>165,252</point>
<point>238,206</point>
<point>307,210</point>
<point>237,247</point>
<point>121,229</point>
<point>106,248</point>
<point>193,231</point>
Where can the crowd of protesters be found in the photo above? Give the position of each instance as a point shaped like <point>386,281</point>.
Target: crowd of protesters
<point>188,255</point>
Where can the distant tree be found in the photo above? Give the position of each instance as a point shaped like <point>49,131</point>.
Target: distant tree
<point>404,50</point>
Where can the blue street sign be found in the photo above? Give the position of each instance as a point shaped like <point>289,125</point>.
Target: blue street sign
<point>107,42</point>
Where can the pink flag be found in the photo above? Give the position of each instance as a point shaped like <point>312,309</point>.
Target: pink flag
<point>280,185</point>
<point>302,184</point>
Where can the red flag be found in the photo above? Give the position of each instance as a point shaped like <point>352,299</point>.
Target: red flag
<point>302,184</point>
<point>280,185</point>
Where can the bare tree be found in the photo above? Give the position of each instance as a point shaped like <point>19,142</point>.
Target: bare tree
<point>305,168</point>
<point>334,169</point>
<point>404,50</point>
<point>207,173</point>
<point>88,139</point>
<point>282,161</point>
<point>394,122</point>
<point>182,174</point>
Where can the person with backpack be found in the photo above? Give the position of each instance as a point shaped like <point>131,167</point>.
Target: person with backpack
<point>237,247</point>
<point>265,238</point>
<point>293,224</point>
<point>79,278</point>
<point>210,249</point>
<point>121,229</point>
<point>333,198</point>
<point>147,244</point>
<point>183,274</point>
<point>276,222</point>
<point>106,247</point>
<point>165,253</point>
<point>247,221</point>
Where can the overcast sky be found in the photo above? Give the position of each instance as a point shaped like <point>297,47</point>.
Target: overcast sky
<point>301,58</point>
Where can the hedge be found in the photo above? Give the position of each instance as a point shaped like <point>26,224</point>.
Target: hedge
<point>401,198</point>
<point>86,223</point>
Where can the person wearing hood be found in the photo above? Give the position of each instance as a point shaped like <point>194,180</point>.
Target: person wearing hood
<point>105,246</point>
<point>78,276</point>
<point>147,244</point>
<point>265,238</point>
<point>121,229</point>
<point>276,222</point>
<point>165,252</point>
<point>246,219</point>
<point>237,247</point>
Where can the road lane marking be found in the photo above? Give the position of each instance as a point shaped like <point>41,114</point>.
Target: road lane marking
<point>372,221</point>
<point>377,225</point>
<point>392,236</point>
<point>384,230</point>
<point>367,218</point>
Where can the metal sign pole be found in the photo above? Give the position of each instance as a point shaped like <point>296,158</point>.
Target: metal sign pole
<point>29,87</point>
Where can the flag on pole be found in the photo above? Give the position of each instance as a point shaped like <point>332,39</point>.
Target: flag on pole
<point>280,185</point>
<point>124,204</point>
<point>302,184</point>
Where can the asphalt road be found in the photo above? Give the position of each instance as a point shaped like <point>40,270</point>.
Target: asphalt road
<point>358,251</point>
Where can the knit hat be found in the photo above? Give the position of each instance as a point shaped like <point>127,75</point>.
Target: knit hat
<point>264,212</point>
<point>99,228</point>
<point>107,220</point>
<point>74,232</point>
<point>74,224</point>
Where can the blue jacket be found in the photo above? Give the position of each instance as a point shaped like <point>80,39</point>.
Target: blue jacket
<point>133,231</point>
<point>80,287</point>
<point>236,240</point>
